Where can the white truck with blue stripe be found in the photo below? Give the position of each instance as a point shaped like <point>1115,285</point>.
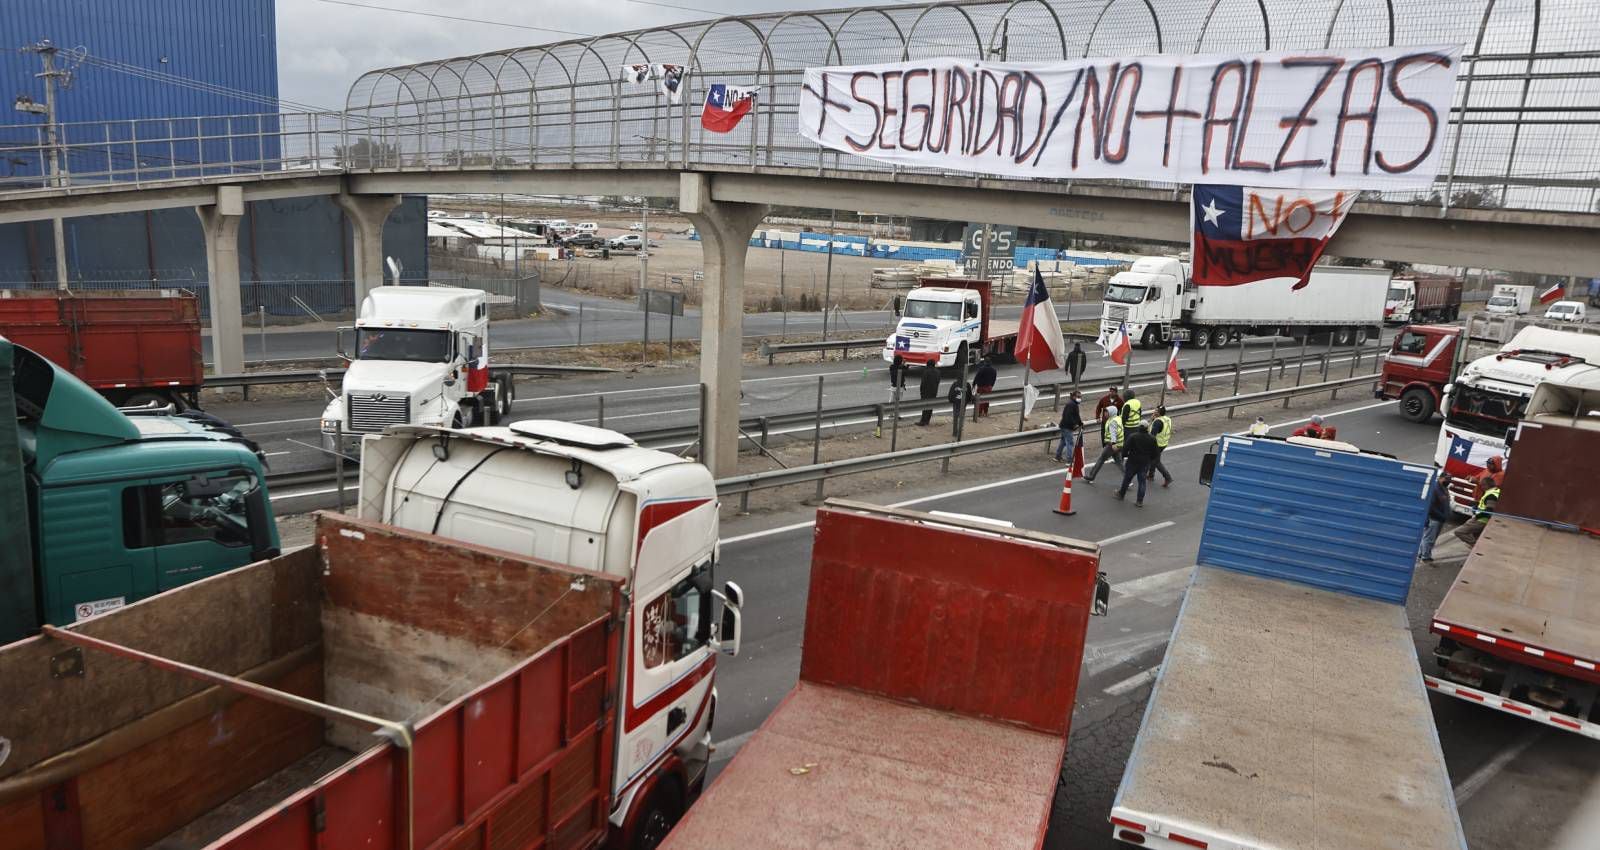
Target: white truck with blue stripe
<point>945,322</point>
<point>1290,710</point>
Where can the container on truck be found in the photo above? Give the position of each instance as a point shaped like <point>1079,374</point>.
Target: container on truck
<point>1289,710</point>
<point>592,499</point>
<point>421,357</point>
<point>940,665</point>
<point>947,321</point>
<point>382,689</point>
<point>135,347</point>
<point>1419,297</point>
<point>1519,629</point>
<point>1490,395</point>
<point>100,508</point>
<point>1510,299</point>
<point>1158,302</point>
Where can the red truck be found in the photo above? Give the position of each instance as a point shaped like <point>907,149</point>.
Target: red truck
<point>381,689</point>
<point>1519,630</point>
<point>1420,362</point>
<point>936,691</point>
<point>132,346</point>
<point>1419,297</point>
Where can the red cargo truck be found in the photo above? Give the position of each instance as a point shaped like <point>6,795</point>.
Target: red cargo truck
<point>1420,362</point>
<point>133,346</point>
<point>1420,297</point>
<point>382,689</point>
<point>935,695</point>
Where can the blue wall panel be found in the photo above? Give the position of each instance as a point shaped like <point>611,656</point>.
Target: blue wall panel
<point>1334,520</point>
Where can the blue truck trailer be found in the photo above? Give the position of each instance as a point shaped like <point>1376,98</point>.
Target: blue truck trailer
<point>1290,710</point>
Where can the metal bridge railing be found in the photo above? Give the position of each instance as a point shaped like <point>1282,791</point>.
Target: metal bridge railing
<point>1524,132</point>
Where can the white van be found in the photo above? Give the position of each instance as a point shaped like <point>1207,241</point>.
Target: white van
<point>1566,311</point>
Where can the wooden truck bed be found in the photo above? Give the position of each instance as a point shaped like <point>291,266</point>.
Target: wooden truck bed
<point>935,696</point>
<point>261,708</point>
<point>1535,591</point>
<point>1287,716</point>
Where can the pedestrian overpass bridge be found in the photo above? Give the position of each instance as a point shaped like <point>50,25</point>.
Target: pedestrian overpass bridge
<point>1520,189</point>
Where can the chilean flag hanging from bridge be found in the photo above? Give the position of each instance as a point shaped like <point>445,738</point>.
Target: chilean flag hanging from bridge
<point>725,105</point>
<point>1039,341</point>
<point>1242,235</point>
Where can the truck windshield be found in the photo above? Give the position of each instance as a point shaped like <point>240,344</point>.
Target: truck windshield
<point>949,311</point>
<point>1123,293</point>
<point>402,344</point>
<point>1484,411</point>
<point>1502,301</point>
<point>1396,294</point>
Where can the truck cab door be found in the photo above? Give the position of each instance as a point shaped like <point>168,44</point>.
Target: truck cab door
<point>972,312</point>
<point>88,562</point>
<point>201,524</point>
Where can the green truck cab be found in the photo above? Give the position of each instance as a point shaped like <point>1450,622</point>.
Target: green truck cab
<point>100,508</point>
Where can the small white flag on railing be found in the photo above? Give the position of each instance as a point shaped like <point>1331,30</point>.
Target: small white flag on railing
<point>636,74</point>
<point>669,80</point>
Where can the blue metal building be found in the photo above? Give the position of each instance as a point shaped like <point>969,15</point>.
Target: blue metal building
<point>139,68</point>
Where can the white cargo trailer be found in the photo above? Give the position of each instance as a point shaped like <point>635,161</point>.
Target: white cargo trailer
<point>1159,303</point>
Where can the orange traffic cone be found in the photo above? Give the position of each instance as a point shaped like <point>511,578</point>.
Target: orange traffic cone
<point>1065,508</point>
<point>1077,460</point>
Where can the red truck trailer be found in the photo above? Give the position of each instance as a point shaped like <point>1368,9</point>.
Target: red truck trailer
<point>381,689</point>
<point>1519,630</point>
<point>132,346</point>
<point>1419,297</point>
<point>936,691</point>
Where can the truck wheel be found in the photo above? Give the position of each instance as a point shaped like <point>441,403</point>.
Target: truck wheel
<point>1341,336</point>
<point>505,394</point>
<point>660,815</point>
<point>1416,404</point>
<point>1361,336</point>
<point>1151,338</point>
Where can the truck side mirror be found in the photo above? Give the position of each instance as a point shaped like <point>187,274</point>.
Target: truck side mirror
<point>1102,595</point>
<point>339,345</point>
<point>730,624</point>
<point>1208,467</point>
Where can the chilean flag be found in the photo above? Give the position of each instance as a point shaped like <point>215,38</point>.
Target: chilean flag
<point>725,105</point>
<point>1119,346</point>
<point>1468,458</point>
<point>1554,293</point>
<point>1174,377</point>
<point>1039,341</point>
<point>1242,235</point>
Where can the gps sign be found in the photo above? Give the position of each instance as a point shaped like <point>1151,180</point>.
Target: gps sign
<point>1002,249</point>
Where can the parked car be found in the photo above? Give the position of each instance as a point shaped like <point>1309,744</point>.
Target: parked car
<point>582,240</point>
<point>636,226</point>
<point>1566,311</point>
<point>626,241</point>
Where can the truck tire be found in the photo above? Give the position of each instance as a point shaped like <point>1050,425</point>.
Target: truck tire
<point>661,813</point>
<point>505,394</point>
<point>1362,335</point>
<point>1151,337</point>
<point>1342,336</point>
<point>1416,404</point>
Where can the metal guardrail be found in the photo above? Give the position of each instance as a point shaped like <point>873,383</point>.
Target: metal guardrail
<point>743,485</point>
<point>306,376</point>
<point>770,350</point>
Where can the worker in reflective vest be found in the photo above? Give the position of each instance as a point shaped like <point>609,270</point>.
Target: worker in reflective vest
<point>1469,532</point>
<point>1111,432</point>
<point>1132,411</point>
<point>1161,429</point>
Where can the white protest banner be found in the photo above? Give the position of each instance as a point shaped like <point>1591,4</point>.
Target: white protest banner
<point>1364,119</point>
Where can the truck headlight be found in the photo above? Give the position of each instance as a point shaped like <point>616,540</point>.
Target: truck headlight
<point>329,426</point>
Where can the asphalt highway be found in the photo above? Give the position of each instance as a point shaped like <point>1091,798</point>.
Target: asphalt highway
<point>1516,784</point>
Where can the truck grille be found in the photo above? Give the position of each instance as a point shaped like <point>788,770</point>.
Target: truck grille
<point>1116,314</point>
<point>376,411</point>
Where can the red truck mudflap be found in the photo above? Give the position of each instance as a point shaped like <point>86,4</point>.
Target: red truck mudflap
<point>935,696</point>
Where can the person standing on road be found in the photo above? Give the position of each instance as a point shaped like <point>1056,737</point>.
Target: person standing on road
<point>897,373</point>
<point>1313,429</point>
<point>1161,430</point>
<point>1071,424</point>
<point>1108,402</point>
<point>1470,531</point>
<point>1141,452</point>
<point>1438,514</point>
<point>958,404</point>
<point>1132,409</point>
<point>1259,428</point>
<point>1493,473</point>
<point>1111,440</point>
<point>984,381</point>
<point>1077,361</point>
<point>928,391</point>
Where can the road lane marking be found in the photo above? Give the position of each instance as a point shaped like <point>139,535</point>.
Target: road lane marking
<point>1135,533</point>
<point>1134,681</point>
<point>1480,777</point>
<point>1154,583</point>
<point>977,488</point>
<point>1104,655</point>
<point>277,422</point>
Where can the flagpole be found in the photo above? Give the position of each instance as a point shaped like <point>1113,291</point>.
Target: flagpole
<point>1022,412</point>
<point>1127,365</point>
<point>1164,379</point>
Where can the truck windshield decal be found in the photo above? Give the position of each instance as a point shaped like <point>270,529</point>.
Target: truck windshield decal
<point>417,346</point>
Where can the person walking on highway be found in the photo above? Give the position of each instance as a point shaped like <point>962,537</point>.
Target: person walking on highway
<point>1313,429</point>
<point>1110,401</point>
<point>984,381</point>
<point>1071,424</point>
<point>1161,430</point>
<point>1111,439</point>
<point>1141,453</point>
<point>1259,428</point>
<point>1438,515</point>
<point>1077,361</point>
<point>928,391</point>
<point>1132,409</point>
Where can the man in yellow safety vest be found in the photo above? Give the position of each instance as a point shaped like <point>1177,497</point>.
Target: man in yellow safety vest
<point>1132,411</point>
<point>1161,429</point>
<point>1112,431</point>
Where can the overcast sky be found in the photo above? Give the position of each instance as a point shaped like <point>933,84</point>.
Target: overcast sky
<point>324,47</point>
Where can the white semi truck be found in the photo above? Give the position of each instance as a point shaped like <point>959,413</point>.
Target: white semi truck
<point>1159,303</point>
<point>421,357</point>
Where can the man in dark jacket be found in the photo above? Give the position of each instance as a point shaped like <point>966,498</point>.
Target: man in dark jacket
<point>1077,361</point>
<point>984,381</point>
<point>928,391</point>
<point>1138,453</point>
<point>958,405</point>
<point>1071,424</point>
<point>1438,515</point>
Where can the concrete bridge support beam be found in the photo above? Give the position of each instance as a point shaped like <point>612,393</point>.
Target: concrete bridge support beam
<point>725,230</point>
<point>367,213</point>
<point>220,223</point>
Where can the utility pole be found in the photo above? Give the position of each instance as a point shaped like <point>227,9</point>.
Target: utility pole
<point>47,55</point>
<point>988,229</point>
<point>644,246</point>
<point>827,283</point>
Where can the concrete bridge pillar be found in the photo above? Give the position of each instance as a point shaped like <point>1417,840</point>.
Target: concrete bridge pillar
<point>725,230</point>
<point>220,223</point>
<point>367,213</point>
